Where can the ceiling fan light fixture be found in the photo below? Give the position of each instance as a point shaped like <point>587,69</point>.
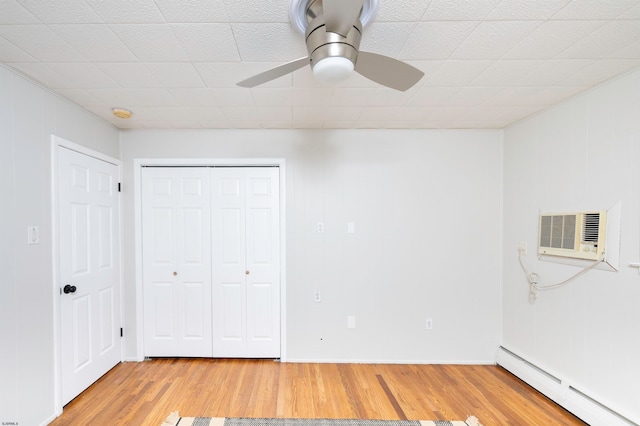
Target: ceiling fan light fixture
<point>332,70</point>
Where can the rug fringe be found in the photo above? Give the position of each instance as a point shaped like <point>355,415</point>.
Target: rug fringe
<point>172,419</point>
<point>473,421</point>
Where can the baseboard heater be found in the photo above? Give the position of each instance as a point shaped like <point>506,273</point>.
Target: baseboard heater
<point>563,393</point>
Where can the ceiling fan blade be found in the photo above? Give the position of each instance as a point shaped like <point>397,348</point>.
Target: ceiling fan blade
<point>274,73</point>
<point>340,15</point>
<point>387,71</point>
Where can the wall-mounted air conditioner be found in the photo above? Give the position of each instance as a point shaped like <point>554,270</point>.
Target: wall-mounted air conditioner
<point>575,235</point>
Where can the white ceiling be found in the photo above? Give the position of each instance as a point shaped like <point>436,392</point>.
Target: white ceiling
<point>174,63</point>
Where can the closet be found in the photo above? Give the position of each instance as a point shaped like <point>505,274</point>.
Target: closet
<point>211,261</point>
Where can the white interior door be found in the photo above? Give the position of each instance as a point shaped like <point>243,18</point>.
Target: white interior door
<point>176,261</point>
<point>89,229</point>
<point>246,262</point>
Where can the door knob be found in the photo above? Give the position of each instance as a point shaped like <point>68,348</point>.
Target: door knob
<point>175,273</point>
<point>69,289</point>
<point>247,272</point>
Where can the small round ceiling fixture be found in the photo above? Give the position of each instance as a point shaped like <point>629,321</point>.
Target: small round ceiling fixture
<point>122,113</point>
<point>298,13</point>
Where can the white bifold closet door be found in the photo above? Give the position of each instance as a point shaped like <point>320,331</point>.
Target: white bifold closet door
<point>176,252</point>
<point>211,265</point>
<point>246,262</point>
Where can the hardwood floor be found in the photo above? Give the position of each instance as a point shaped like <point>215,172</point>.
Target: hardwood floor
<point>145,393</point>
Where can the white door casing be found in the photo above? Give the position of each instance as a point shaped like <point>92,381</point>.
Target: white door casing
<point>89,269</point>
<point>246,262</point>
<point>176,261</point>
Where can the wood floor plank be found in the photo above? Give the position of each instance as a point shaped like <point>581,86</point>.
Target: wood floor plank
<point>145,393</point>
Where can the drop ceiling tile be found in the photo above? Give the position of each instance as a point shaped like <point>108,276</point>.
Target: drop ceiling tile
<point>401,10</point>
<point>308,114</point>
<point>385,97</point>
<point>213,97</point>
<point>238,96</point>
<point>491,40</point>
<point>268,42</point>
<point>80,96</point>
<point>436,40</point>
<point>206,11</point>
<point>311,97</point>
<point>482,113</point>
<point>533,96</point>
<point>471,96</point>
<point>608,38</point>
<point>456,72</point>
<point>431,96</point>
<point>340,113</point>
<point>132,98</point>
<point>459,10</point>
<point>593,9</point>
<point>551,38</point>
<point>630,51</point>
<point>257,11</point>
<point>14,13</point>
<point>553,71</point>
<point>175,74</point>
<point>379,113</point>
<point>43,74</point>
<point>70,11</point>
<point>40,42</point>
<point>267,97</point>
<point>127,11</point>
<point>600,71</point>
<point>212,113</point>
<point>151,42</point>
<point>207,42</point>
<point>386,38</point>
<point>9,52</point>
<point>527,10</point>
<point>633,13</point>
<point>83,76</point>
<point>130,74</point>
<point>85,37</point>
<point>221,74</point>
<point>349,96</point>
<point>257,113</point>
<point>505,73</point>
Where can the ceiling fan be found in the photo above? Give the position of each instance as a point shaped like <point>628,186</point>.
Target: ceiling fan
<point>332,36</point>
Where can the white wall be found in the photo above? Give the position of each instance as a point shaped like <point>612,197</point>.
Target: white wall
<point>581,155</point>
<point>28,116</point>
<point>426,208</point>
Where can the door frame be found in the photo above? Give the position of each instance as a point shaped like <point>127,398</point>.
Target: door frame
<point>139,163</point>
<point>57,143</point>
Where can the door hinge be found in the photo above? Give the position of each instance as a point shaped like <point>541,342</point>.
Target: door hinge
<point>119,187</point>
<point>121,332</point>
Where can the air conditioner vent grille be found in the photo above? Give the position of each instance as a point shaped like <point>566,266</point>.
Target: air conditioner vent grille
<point>591,228</point>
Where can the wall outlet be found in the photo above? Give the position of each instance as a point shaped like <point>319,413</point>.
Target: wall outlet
<point>522,248</point>
<point>428,324</point>
<point>317,297</point>
<point>320,227</point>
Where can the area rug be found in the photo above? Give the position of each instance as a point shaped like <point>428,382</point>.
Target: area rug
<point>174,419</point>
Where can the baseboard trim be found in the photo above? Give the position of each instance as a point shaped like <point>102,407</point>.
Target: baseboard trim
<point>562,391</point>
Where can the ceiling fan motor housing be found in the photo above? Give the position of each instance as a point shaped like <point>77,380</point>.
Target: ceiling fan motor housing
<point>322,44</point>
